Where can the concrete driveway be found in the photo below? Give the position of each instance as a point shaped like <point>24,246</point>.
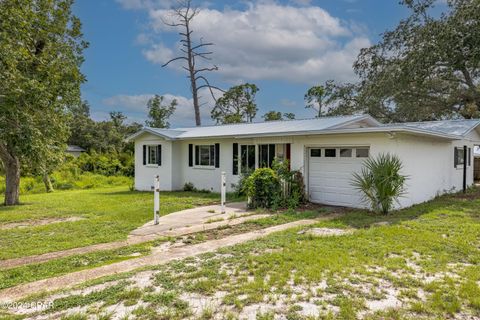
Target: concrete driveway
<point>196,218</point>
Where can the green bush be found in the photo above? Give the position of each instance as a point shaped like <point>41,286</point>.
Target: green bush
<point>263,189</point>
<point>188,186</point>
<point>381,182</point>
<point>274,188</point>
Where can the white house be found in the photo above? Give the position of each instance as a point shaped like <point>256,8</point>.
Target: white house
<point>326,150</point>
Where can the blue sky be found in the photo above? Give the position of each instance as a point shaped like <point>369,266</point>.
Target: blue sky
<point>284,47</point>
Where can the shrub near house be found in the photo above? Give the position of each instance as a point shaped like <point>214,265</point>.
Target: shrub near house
<point>274,188</point>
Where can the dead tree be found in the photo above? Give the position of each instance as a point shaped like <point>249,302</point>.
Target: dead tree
<point>182,18</point>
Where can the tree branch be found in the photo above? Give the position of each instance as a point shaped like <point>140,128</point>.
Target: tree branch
<point>174,59</point>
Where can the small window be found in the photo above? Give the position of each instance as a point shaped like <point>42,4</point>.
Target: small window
<point>205,155</point>
<point>315,153</point>
<point>346,153</point>
<point>361,152</point>
<point>459,156</point>
<point>330,153</point>
<point>247,157</point>
<point>152,155</point>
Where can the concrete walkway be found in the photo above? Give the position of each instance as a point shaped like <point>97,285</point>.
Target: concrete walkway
<point>158,257</point>
<point>174,224</point>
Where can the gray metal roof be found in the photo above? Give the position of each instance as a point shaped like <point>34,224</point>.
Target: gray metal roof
<point>447,129</point>
<point>454,127</point>
<point>271,127</point>
<point>73,148</point>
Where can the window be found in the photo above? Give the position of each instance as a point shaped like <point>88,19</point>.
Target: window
<point>458,156</point>
<point>205,155</point>
<point>266,155</point>
<point>346,153</point>
<point>315,153</point>
<point>330,153</point>
<point>247,158</point>
<point>361,152</point>
<point>152,155</point>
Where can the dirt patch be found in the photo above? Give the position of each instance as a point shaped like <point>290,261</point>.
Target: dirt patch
<point>325,232</point>
<point>40,222</point>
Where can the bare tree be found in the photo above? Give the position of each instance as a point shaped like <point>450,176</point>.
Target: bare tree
<point>183,15</point>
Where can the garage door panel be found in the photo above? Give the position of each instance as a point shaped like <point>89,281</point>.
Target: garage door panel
<point>330,181</point>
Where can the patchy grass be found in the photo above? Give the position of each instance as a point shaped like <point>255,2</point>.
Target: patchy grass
<point>107,215</point>
<point>421,262</point>
<point>33,272</point>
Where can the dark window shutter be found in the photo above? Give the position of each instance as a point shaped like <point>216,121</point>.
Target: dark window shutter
<point>235,159</point>
<point>288,155</point>
<point>197,155</point>
<point>144,154</point>
<point>159,154</point>
<point>190,155</point>
<point>217,155</point>
<point>455,157</point>
<point>469,157</point>
<point>271,154</point>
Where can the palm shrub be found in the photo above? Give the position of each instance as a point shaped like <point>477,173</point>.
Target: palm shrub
<point>381,182</point>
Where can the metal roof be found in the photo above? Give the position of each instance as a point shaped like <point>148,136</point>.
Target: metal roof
<point>446,129</point>
<point>272,127</point>
<point>458,127</point>
<point>73,148</point>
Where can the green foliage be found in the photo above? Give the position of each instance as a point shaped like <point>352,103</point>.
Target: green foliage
<point>381,182</point>
<point>236,105</point>
<point>188,186</point>
<point>66,180</point>
<point>158,114</point>
<point>41,50</point>
<point>426,68</point>
<point>316,97</point>
<point>103,136</point>
<point>277,115</point>
<point>263,188</point>
<point>108,164</point>
<point>274,188</point>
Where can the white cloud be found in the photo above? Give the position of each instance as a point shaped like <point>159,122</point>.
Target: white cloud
<point>271,41</point>
<point>136,107</point>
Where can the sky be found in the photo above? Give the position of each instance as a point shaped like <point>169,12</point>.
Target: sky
<point>283,46</point>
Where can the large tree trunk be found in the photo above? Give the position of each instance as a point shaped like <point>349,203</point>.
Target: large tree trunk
<point>47,182</point>
<point>12,175</point>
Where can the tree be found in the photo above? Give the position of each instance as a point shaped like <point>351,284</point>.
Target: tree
<point>272,116</point>
<point>117,118</point>
<point>427,68</point>
<point>182,19</point>
<point>317,96</point>
<point>236,105</point>
<point>158,114</point>
<point>101,136</point>
<point>277,115</point>
<point>41,51</point>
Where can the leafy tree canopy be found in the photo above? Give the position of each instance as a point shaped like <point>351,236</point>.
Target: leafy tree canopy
<point>159,113</point>
<point>236,105</point>
<point>277,115</point>
<point>427,68</point>
<point>41,50</point>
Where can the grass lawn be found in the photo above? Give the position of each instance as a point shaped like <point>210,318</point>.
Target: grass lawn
<point>95,216</point>
<point>418,263</point>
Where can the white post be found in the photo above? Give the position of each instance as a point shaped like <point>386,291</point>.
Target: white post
<point>223,190</point>
<point>156,200</point>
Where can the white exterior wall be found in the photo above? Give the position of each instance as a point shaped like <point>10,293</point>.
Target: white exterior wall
<point>144,174</point>
<point>427,162</point>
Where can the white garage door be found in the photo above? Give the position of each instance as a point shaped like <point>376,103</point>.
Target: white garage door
<point>330,175</point>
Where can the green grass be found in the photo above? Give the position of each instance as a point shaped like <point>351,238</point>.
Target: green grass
<point>428,254</point>
<point>439,239</point>
<point>107,215</point>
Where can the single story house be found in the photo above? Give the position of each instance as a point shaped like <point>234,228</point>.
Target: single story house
<point>326,150</point>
